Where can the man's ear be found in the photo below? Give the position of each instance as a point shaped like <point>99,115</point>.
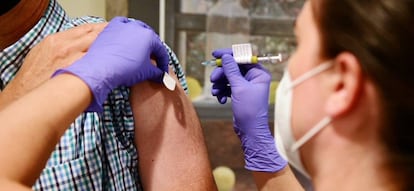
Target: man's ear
<point>346,87</point>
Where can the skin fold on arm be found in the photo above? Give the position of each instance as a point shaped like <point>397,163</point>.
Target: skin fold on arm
<point>168,136</point>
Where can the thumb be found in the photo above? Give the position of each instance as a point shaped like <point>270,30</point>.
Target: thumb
<point>231,70</point>
<point>154,74</point>
<point>220,52</point>
<point>159,51</point>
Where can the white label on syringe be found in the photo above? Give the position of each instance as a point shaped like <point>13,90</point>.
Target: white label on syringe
<point>242,53</point>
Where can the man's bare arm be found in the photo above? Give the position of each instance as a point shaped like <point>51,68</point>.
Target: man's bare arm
<point>282,180</point>
<point>168,135</point>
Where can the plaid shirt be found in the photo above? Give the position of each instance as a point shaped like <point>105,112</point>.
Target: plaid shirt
<point>97,152</point>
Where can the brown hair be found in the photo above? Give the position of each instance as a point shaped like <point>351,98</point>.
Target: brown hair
<point>380,33</point>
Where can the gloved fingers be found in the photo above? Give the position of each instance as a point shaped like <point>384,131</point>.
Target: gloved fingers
<point>222,99</point>
<point>236,130</point>
<point>244,68</point>
<point>258,75</point>
<point>145,25</point>
<point>220,89</point>
<point>216,92</point>
<point>219,93</point>
<point>119,19</point>
<point>112,28</point>
<point>231,70</point>
<point>218,76</point>
<point>153,73</point>
<point>221,86</point>
<point>159,52</point>
<point>225,93</point>
<point>218,53</point>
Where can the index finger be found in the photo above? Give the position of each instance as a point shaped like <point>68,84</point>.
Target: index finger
<point>79,31</point>
<point>160,53</point>
<point>77,39</point>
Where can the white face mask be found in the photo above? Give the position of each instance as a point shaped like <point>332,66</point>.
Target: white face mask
<point>285,141</point>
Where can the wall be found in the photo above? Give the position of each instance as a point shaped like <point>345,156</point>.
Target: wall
<point>76,8</point>
<point>116,8</point>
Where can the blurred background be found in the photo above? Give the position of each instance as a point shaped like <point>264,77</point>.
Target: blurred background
<point>193,28</point>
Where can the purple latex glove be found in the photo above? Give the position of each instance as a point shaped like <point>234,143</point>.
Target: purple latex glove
<point>120,56</point>
<point>249,91</point>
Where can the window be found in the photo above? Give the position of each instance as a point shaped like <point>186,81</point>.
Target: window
<point>188,25</point>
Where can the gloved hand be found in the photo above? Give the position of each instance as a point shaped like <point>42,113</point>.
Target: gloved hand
<point>249,91</point>
<point>120,56</point>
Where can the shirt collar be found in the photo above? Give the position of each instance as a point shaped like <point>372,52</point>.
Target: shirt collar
<point>11,58</point>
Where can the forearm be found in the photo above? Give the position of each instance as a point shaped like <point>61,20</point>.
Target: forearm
<point>168,135</point>
<point>12,92</point>
<point>282,180</point>
<point>32,125</point>
<point>6,185</point>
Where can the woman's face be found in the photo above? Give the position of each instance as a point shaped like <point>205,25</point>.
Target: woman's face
<point>308,97</point>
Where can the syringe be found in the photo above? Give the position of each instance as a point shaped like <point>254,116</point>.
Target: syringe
<point>253,60</point>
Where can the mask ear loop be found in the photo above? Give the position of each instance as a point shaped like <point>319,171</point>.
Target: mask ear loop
<point>311,73</point>
<point>318,127</point>
<point>324,122</point>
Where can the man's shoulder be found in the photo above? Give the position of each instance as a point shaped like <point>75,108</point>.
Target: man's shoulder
<point>83,20</point>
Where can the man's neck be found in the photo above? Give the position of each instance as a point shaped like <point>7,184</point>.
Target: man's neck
<point>19,20</point>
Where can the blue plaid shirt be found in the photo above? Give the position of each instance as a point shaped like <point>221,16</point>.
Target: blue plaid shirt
<point>97,152</point>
